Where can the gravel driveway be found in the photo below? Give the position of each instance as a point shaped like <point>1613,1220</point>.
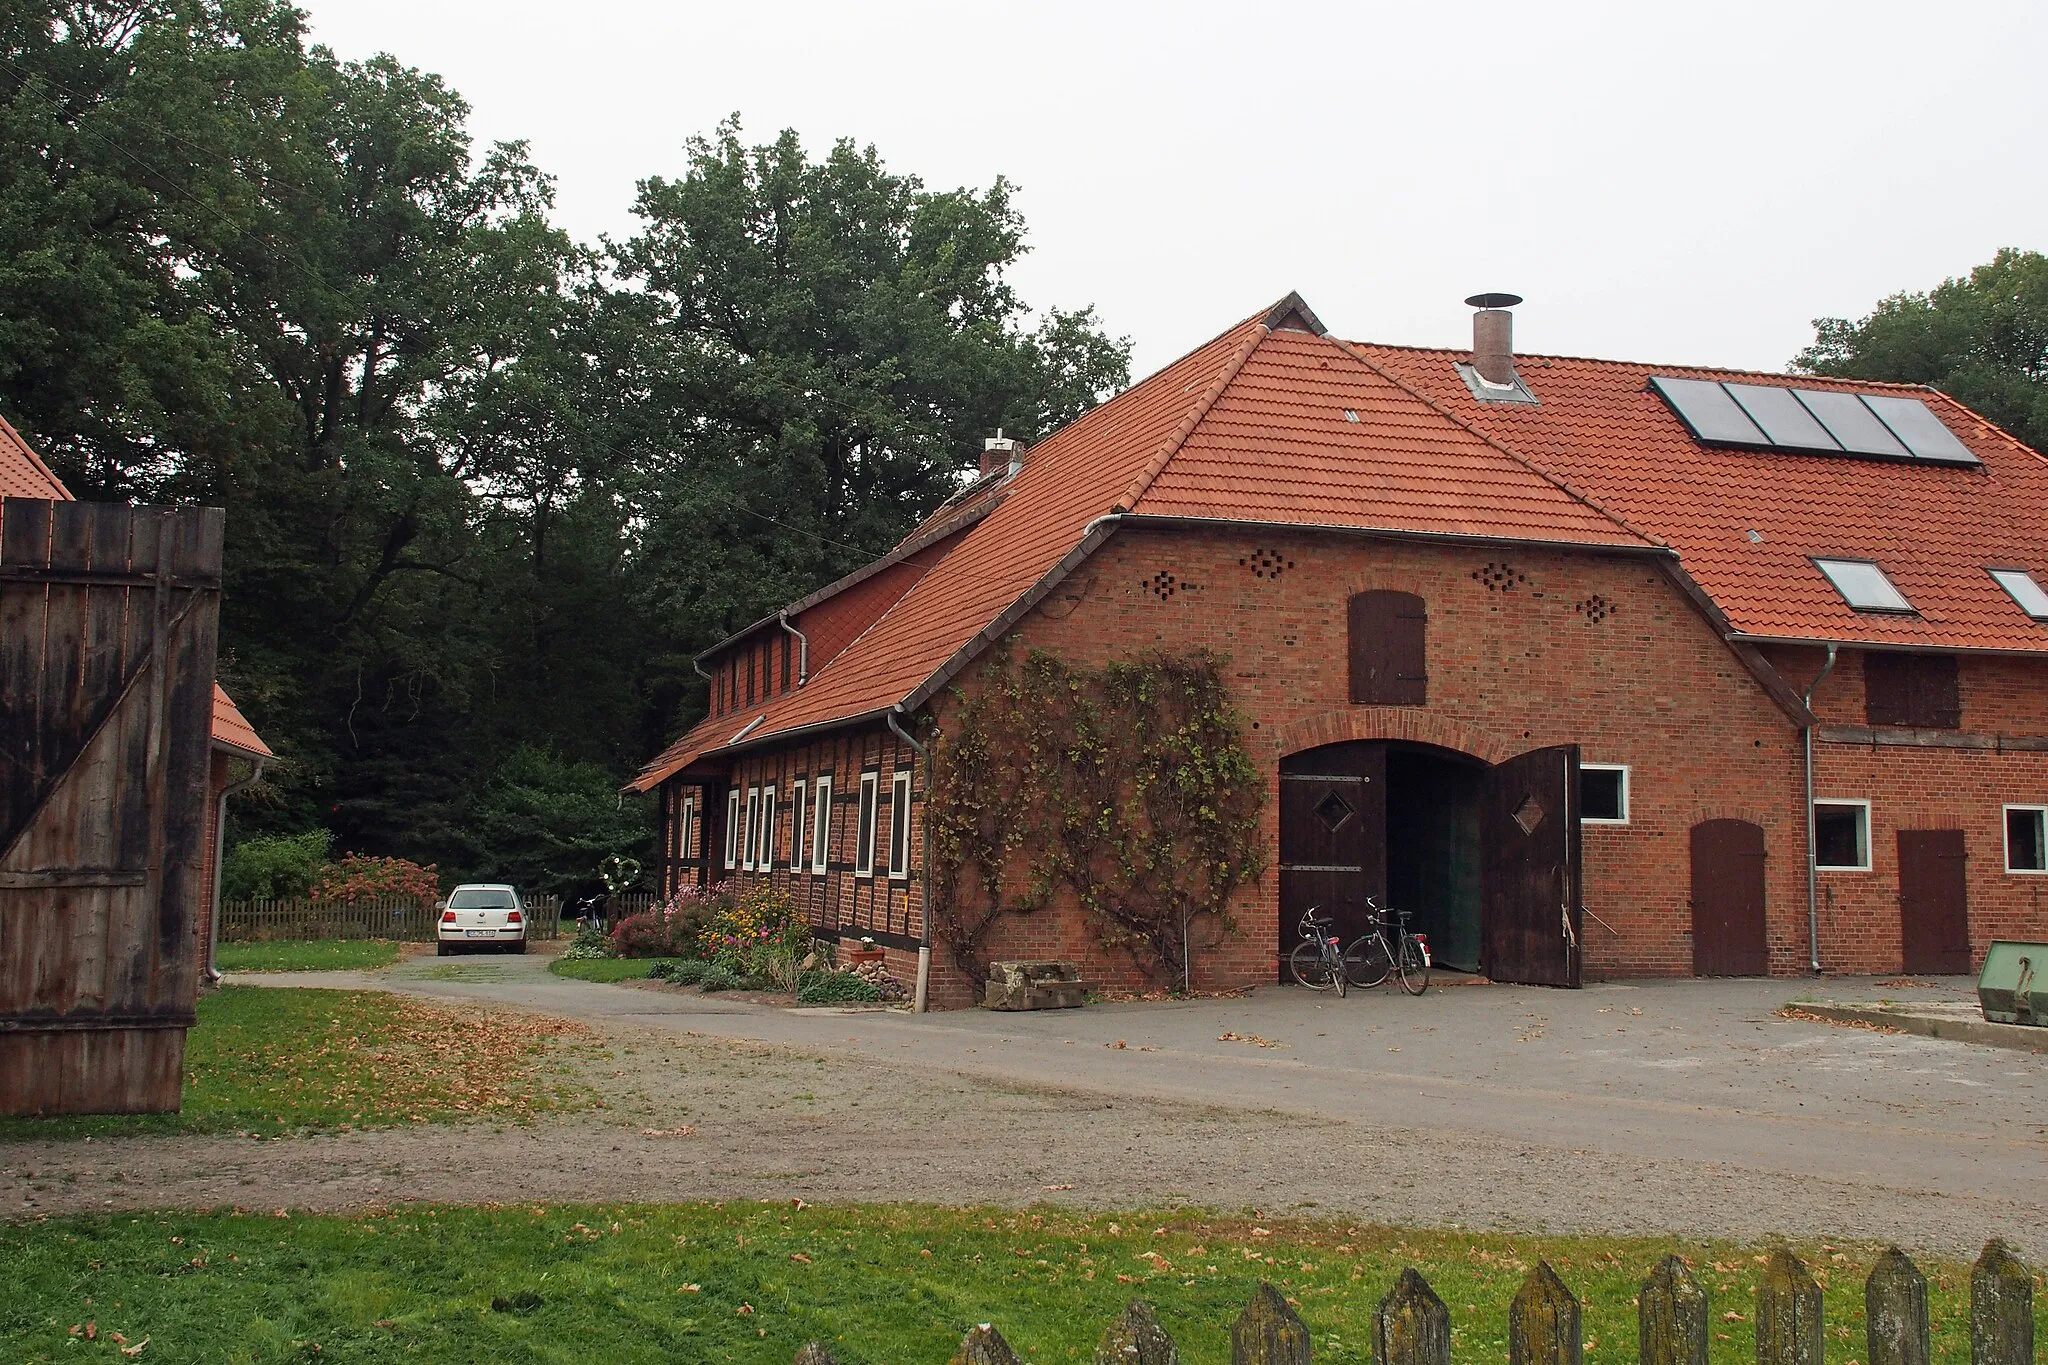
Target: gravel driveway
<point>1685,1107</point>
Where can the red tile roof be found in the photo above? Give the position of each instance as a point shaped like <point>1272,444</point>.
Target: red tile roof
<point>1934,530</point>
<point>1273,422</point>
<point>24,475</point>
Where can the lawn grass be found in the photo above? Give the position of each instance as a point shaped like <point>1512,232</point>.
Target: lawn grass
<point>604,968</point>
<point>312,955</point>
<point>880,1284</point>
<point>273,1061</point>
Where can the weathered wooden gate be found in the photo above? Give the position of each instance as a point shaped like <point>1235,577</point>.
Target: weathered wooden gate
<point>108,617</point>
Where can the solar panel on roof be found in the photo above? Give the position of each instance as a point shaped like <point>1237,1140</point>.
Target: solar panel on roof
<point>1784,420</point>
<point>1924,433</point>
<point>1849,422</point>
<point>1708,411</point>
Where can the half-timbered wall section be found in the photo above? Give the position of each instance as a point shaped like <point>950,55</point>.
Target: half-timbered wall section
<point>843,893</point>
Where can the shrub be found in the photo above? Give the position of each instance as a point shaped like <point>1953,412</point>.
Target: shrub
<point>830,988</point>
<point>689,972</point>
<point>274,867</point>
<point>359,877</point>
<point>591,942</point>
<point>674,929</point>
<point>760,933</point>
<point>717,978</point>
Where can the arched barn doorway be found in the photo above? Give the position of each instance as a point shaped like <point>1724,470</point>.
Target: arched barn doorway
<point>1485,857</point>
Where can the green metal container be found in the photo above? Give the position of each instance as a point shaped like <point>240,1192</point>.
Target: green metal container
<point>2014,986</point>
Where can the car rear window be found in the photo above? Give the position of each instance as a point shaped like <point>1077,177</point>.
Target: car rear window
<point>474,898</point>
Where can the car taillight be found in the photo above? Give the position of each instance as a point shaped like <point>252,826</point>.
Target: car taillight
<point>447,917</point>
<point>512,917</point>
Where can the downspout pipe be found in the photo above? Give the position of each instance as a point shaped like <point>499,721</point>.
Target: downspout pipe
<point>803,648</point>
<point>1812,831</point>
<point>924,870</point>
<point>220,843</point>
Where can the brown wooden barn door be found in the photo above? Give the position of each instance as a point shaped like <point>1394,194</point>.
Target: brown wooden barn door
<point>1728,935</point>
<point>1333,837</point>
<point>1934,918</point>
<point>107,632</point>
<point>1530,911</point>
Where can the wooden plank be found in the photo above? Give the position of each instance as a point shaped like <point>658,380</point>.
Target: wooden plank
<point>92,1071</point>
<point>69,877</point>
<point>24,539</point>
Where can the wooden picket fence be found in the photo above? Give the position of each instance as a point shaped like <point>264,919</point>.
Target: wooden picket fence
<point>405,919</point>
<point>1413,1327</point>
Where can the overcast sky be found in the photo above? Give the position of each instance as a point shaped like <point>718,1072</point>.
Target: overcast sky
<point>1663,182</point>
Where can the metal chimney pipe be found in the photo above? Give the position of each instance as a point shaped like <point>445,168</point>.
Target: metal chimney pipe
<point>1493,337</point>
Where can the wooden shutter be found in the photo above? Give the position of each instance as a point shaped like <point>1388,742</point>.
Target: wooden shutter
<point>1388,649</point>
<point>1918,690</point>
<point>1937,701</point>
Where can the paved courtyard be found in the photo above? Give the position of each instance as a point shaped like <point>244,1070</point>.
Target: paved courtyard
<point>1684,1106</point>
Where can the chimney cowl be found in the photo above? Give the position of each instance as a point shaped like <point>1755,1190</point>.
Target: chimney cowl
<point>1000,453</point>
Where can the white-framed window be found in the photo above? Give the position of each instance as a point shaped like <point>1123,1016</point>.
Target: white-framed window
<point>2026,839</point>
<point>1863,585</point>
<point>752,830</point>
<point>864,828</point>
<point>899,826</point>
<point>764,849</point>
<point>1841,835</point>
<point>2025,590</point>
<point>686,825</point>
<point>821,821</point>
<point>799,828</point>
<point>732,828</point>
<point>1603,793</point>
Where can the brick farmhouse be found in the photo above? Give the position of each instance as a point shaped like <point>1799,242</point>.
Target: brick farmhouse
<point>1598,668</point>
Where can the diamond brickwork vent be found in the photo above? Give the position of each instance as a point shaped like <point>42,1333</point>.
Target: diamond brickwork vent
<point>1595,608</point>
<point>1529,814</point>
<point>1165,584</point>
<point>1266,563</point>
<point>1333,810</point>
<point>1499,577</point>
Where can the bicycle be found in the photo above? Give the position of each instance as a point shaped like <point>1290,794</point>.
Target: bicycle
<point>1317,962</point>
<point>1372,957</point>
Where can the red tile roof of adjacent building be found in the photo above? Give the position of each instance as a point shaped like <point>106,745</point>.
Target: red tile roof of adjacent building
<point>1276,423</point>
<point>24,475</point>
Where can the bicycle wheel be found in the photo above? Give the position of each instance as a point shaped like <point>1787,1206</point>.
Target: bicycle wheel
<point>1333,963</point>
<point>1366,963</point>
<point>1309,966</point>
<point>1414,966</point>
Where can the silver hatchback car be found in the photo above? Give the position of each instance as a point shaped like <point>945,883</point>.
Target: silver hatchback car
<point>482,914</point>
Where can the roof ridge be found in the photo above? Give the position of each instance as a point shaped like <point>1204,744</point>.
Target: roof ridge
<point>1538,470</point>
<point>1153,467</point>
<point>1651,365</point>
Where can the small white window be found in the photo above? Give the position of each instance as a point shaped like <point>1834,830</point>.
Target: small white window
<point>1863,585</point>
<point>821,823</point>
<point>864,830</point>
<point>799,828</point>
<point>732,827</point>
<point>1841,835</point>
<point>2026,838</point>
<point>752,831</point>
<point>1603,793</point>
<point>764,855</point>
<point>685,827</point>
<point>2025,591</point>
<point>899,826</point>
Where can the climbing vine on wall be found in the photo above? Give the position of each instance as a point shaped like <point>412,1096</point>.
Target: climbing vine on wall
<point>1128,788</point>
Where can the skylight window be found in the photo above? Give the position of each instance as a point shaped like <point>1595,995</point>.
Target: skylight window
<point>2025,591</point>
<point>1863,585</point>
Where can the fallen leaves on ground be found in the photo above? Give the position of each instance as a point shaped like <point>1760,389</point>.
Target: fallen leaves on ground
<point>1251,1038</point>
<point>1809,1017</point>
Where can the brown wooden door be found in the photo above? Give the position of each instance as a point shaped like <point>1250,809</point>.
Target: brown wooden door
<point>1530,912</point>
<point>1333,837</point>
<point>1728,935</point>
<point>1934,918</point>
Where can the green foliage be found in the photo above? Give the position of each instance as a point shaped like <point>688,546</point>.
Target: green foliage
<point>831,988</point>
<point>306,955</point>
<point>1982,339</point>
<point>274,867</point>
<point>758,933</point>
<point>688,972</point>
<point>675,928</point>
<point>360,877</point>
<point>881,1283</point>
<point>717,978</point>
<point>1128,789</point>
<point>590,944</point>
<point>546,823</point>
<point>468,463</point>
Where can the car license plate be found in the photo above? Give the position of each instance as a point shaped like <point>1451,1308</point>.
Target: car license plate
<point>478,933</point>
